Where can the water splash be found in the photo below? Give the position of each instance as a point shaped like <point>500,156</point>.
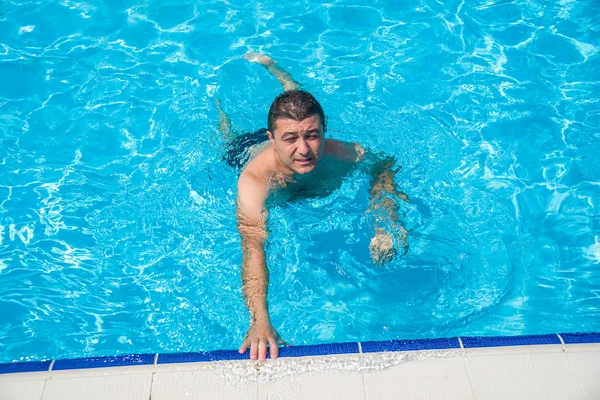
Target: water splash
<point>236,373</point>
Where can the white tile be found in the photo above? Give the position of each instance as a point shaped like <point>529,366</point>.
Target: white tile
<point>586,367</point>
<point>529,376</point>
<point>312,377</point>
<point>107,371</point>
<point>431,379</point>
<point>24,376</point>
<point>583,347</point>
<point>21,390</point>
<point>506,350</point>
<point>315,385</point>
<point>127,386</point>
<point>202,383</point>
<point>175,367</point>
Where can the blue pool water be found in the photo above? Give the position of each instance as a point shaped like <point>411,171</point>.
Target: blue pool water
<point>117,226</point>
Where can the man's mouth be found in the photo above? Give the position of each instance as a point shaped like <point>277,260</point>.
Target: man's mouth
<point>304,161</point>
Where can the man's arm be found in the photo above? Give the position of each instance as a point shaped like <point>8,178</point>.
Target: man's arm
<point>251,214</point>
<point>382,204</point>
<point>382,195</point>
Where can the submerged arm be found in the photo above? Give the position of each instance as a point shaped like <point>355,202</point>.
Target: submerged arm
<point>382,184</point>
<point>255,274</point>
<point>382,198</point>
<point>382,203</point>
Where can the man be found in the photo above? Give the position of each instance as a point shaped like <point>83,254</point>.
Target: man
<point>296,158</point>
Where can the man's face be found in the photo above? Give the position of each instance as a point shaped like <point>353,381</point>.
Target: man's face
<point>299,144</point>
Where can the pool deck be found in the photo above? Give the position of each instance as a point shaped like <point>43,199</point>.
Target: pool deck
<point>545,367</point>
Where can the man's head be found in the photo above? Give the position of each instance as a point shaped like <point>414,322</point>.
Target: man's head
<point>296,125</point>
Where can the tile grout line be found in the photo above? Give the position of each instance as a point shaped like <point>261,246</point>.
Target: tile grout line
<point>153,373</point>
<point>564,348</point>
<point>460,343</point>
<point>362,374</point>
<point>469,375</point>
<point>44,389</point>
<point>256,375</point>
<point>47,379</point>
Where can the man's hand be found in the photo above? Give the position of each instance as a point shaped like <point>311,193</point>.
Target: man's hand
<point>260,335</point>
<point>382,246</point>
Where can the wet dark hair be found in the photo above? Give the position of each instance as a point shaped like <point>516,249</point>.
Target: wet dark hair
<point>296,105</point>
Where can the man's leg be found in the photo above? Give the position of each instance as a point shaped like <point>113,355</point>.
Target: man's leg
<point>224,122</point>
<point>271,66</point>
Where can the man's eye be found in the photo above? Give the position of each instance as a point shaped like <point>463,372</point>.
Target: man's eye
<point>290,140</point>
<point>313,137</point>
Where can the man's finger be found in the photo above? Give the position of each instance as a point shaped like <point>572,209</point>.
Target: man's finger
<point>376,257</point>
<point>262,349</point>
<point>244,347</point>
<point>254,350</point>
<point>274,349</point>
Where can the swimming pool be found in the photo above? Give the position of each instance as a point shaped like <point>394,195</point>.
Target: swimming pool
<point>117,225</point>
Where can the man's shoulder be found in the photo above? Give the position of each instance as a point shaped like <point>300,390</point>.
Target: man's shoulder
<point>252,193</point>
<point>251,177</point>
<point>345,151</point>
<point>259,163</point>
<point>255,174</point>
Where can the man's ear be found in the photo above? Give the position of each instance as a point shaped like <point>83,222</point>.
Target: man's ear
<point>271,138</point>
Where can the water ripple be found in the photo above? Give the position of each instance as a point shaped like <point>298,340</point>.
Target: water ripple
<point>110,171</point>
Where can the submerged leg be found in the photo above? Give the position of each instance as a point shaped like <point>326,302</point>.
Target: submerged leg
<point>282,76</point>
<point>224,122</point>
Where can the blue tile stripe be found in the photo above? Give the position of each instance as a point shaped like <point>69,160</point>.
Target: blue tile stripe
<point>474,342</point>
<point>290,351</point>
<point>303,351</point>
<point>410,345</point>
<point>100,362</point>
<point>217,355</point>
<point>319,350</point>
<point>578,338</point>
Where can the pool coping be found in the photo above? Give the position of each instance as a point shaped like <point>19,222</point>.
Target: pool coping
<point>461,342</point>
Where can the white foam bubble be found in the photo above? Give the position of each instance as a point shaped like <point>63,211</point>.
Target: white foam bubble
<point>237,373</point>
<point>25,233</point>
<point>124,340</point>
<point>593,252</point>
<point>26,29</point>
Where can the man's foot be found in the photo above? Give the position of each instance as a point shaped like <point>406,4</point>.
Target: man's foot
<point>259,58</point>
<point>283,77</point>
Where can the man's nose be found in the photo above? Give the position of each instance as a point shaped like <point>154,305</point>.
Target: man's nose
<point>302,147</point>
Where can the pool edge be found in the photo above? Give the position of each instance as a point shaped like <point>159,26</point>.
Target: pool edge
<point>461,342</point>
